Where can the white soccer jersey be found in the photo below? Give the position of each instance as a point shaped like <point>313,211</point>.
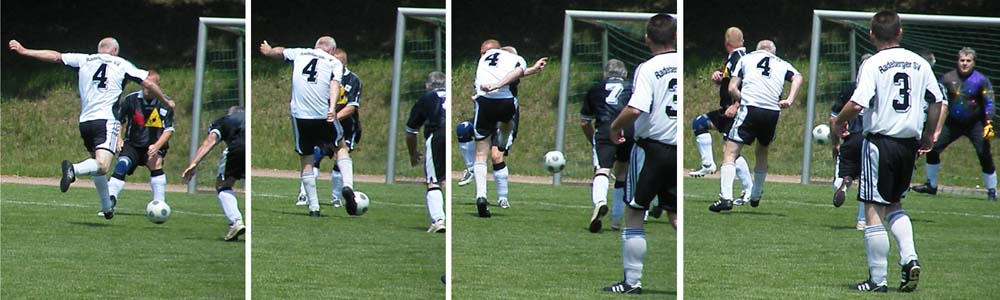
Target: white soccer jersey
<point>764,76</point>
<point>892,87</point>
<point>101,80</point>
<point>655,94</point>
<point>312,71</point>
<point>494,65</point>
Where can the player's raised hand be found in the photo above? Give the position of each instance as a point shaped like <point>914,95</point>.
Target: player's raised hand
<point>540,63</point>
<point>265,48</point>
<point>189,172</point>
<point>785,103</point>
<point>15,46</point>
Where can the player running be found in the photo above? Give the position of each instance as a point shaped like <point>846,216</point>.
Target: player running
<point>148,124</point>
<point>755,109</point>
<point>350,120</point>
<point>231,129</point>
<point>603,103</point>
<point>429,112</point>
<point>316,78</point>
<point>102,77</point>
<point>970,113</point>
<point>652,171</point>
<point>901,82</point>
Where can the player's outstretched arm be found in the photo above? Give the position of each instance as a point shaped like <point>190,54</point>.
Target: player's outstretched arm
<point>511,76</point>
<point>331,114</point>
<point>274,52</point>
<point>793,92</point>
<point>538,67</point>
<point>158,93</point>
<point>734,91</point>
<point>206,145</point>
<point>51,56</point>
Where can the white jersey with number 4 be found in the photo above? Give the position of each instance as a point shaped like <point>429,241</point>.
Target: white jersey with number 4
<point>101,80</point>
<point>494,65</point>
<point>654,92</point>
<point>894,86</point>
<point>764,75</point>
<point>312,71</point>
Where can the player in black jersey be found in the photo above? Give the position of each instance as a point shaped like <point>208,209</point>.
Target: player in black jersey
<point>604,102</point>
<point>230,129</point>
<point>847,153</point>
<point>429,112</point>
<point>148,124</point>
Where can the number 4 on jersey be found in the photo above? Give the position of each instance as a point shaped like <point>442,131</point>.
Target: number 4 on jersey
<point>101,76</point>
<point>310,70</point>
<point>493,58</point>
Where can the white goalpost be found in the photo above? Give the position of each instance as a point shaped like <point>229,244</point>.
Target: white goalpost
<point>834,54</point>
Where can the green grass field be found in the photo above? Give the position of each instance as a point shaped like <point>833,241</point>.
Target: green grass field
<point>796,245</point>
<point>383,254</point>
<point>56,247</point>
<point>540,248</point>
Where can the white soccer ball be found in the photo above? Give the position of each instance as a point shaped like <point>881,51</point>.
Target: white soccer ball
<point>554,161</point>
<point>362,200</point>
<point>821,134</point>
<point>157,211</point>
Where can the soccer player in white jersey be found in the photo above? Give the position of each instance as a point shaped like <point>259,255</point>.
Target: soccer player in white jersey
<point>316,77</point>
<point>894,88</point>
<point>652,171</point>
<point>756,108</point>
<point>102,77</point>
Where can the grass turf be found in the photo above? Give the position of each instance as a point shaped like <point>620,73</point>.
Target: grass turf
<point>383,254</point>
<point>56,247</point>
<point>796,245</point>
<point>540,248</point>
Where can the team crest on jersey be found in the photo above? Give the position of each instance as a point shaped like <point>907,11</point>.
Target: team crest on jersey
<point>343,95</point>
<point>154,119</point>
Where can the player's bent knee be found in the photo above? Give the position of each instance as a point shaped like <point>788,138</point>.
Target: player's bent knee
<point>121,168</point>
<point>700,124</point>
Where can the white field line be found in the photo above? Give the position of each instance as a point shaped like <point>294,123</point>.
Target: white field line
<point>64,204</point>
<point>540,203</point>
<point>962,214</point>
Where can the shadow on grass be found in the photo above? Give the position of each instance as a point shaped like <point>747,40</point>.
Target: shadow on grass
<point>758,213</point>
<point>91,224</point>
<point>843,228</point>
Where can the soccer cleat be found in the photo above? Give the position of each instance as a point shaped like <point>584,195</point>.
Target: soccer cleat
<point>302,200</point>
<point>841,193</point>
<point>336,202</point>
<point>991,195</point>
<point>860,226</point>
<point>466,178</point>
<point>705,170</point>
<point>754,202</point>
<point>744,198</point>
<point>483,207</point>
<point>911,276</point>
<point>925,188</point>
<point>656,211</point>
<point>624,288</point>
<point>503,203</point>
<point>721,205</point>
<point>349,203</point>
<point>109,214</point>
<point>437,227</point>
<point>236,230</point>
<point>314,213</point>
<point>68,176</point>
<point>114,203</point>
<point>869,286</point>
<point>595,218</point>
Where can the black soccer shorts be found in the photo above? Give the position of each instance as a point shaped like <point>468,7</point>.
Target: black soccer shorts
<point>434,158</point>
<point>754,123</point>
<point>652,173</point>
<point>138,156</point>
<point>231,165</point>
<point>886,168</point>
<point>100,134</point>
<point>721,122</point>
<point>489,112</point>
<point>311,133</point>
<point>606,152</point>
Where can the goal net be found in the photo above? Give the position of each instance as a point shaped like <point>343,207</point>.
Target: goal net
<point>419,50</point>
<point>219,83</point>
<point>840,38</point>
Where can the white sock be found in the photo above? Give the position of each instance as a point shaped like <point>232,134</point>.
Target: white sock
<point>302,188</point>
<point>743,173</point>
<point>346,166</point>
<point>705,149</point>
<point>758,183</point>
<point>932,173</point>
<point>501,177</point>
<point>902,230</point>
<point>115,186</point>
<point>480,174</point>
<point>877,248</point>
<point>836,182</point>
<point>159,185</point>
<point>990,180</point>
<point>468,153</point>
<point>309,181</point>
<point>86,167</point>
<point>633,250</point>
<point>728,172</point>
<point>229,206</point>
<point>435,204</point>
<point>618,208</point>
<point>101,183</point>
<point>337,180</point>
<point>600,190</point>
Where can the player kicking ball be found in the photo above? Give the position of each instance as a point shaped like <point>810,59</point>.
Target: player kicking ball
<point>756,88</point>
<point>231,129</point>
<point>894,88</point>
<point>603,103</point>
<point>102,78</point>
<point>429,112</point>
<point>652,171</point>
<point>316,78</point>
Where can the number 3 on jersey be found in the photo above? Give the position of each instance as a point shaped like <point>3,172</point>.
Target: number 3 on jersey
<point>671,106</point>
<point>902,103</point>
<point>310,70</point>
<point>101,76</point>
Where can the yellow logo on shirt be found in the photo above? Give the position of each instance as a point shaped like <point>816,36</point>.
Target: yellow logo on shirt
<point>343,96</point>
<point>154,119</point>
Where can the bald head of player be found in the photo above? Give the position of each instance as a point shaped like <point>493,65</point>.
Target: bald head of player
<point>661,33</point>
<point>885,30</point>
<point>734,38</point>
<point>341,55</point>
<point>435,80</point>
<point>510,49</point>
<point>615,68</point>
<point>108,45</point>
<point>767,45</point>
<point>326,43</point>
<point>488,45</point>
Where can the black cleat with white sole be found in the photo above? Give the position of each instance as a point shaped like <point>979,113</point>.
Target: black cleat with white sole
<point>624,288</point>
<point>911,276</point>
<point>595,220</point>
<point>352,206</point>
<point>721,205</point>
<point>483,207</point>
<point>869,286</point>
<point>68,176</point>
